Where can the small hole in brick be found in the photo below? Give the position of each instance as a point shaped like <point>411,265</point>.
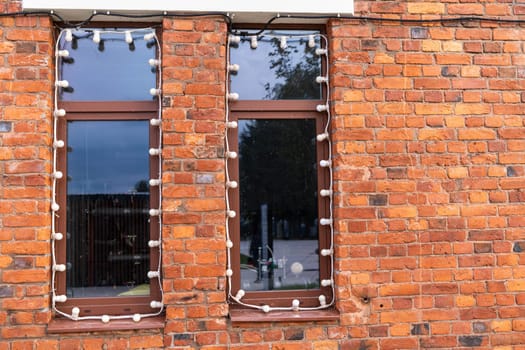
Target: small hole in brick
<point>365,300</point>
<point>380,305</point>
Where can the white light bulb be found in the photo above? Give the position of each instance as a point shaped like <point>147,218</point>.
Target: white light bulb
<point>295,304</point>
<point>60,112</point>
<point>136,317</point>
<point>231,154</point>
<point>266,308</point>
<point>233,96</point>
<point>326,252</point>
<point>323,136</point>
<point>233,67</point>
<point>229,244</point>
<point>325,163</point>
<point>55,206</point>
<point>234,39</point>
<point>229,273</point>
<point>231,214</point>
<point>321,79</point>
<point>155,122</point>
<point>69,35</point>
<point>239,294</point>
<point>58,174</point>
<point>321,108</point>
<point>153,244</point>
<point>153,274</point>
<point>325,221</point>
<point>155,182</point>
<point>325,193</point>
<point>231,125</point>
<point>128,37</point>
<point>57,236</point>
<point>96,36</point>
<point>283,45</point>
<point>60,298</point>
<point>155,304</point>
<point>154,151</point>
<point>253,42</point>
<point>153,62</point>
<point>62,53</point>
<point>58,144</point>
<point>311,41</point>
<point>62,83</point>
<point>231,184</point>
<point>322,300</point>
<point>75,312</point>
<point>326,283</point>
<point>320,52</point>
<point>154,92</point>
<point>154,212</point>
<point>149,36</point>
<point>59,267</point>
<point>105,318</point>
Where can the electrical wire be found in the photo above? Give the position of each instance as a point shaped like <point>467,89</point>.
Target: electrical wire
<point>229,269</point>
<point>62,298</point>
<point>228,19</point>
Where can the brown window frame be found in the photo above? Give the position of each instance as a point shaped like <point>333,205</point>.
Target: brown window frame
<point>281,109</point>
<point>107,111</point>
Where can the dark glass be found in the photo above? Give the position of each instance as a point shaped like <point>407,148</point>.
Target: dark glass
<point>109,71</point>
<point>278,204</point>
<point>271,73</point>
<point>108,208</point>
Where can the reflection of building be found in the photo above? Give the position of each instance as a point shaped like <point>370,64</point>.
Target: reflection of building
<point>107,242</point>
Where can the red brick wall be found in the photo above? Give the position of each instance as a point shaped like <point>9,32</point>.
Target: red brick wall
<point>429,154</point>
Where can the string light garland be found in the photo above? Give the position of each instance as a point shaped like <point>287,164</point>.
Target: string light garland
<point>327,193</point>
<point>57,175</point>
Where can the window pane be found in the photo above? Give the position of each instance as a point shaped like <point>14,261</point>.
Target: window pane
<point>111,70</point>
<point>271,73</point>
<point>278,204</point>
<point>108,204</point>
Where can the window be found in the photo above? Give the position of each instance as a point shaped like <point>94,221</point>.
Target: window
<point>279,175</point>
<point>106,233</point>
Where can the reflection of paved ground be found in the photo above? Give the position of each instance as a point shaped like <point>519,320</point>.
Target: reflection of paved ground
<point>286,253</point>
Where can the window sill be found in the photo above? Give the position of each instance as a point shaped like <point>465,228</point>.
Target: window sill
<point>61,325</point>
<point>239,316</point>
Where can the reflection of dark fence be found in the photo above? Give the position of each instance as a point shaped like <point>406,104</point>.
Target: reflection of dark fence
<point>107,240</point>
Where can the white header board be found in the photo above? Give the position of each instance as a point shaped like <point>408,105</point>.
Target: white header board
<point>240,10</point>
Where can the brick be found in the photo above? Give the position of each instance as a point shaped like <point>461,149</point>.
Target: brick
<point>426,8</point>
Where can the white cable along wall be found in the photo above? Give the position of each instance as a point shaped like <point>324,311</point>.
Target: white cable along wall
<point>326,194</point>
<point>59,146</point>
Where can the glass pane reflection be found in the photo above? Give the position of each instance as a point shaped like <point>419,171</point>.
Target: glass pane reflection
<point>108,203</point>
<point>271,73</point>
<point>109,71</point>
<point>278,204</point>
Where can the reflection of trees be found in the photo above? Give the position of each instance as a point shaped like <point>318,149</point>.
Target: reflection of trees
<point>277,168</point>
<point>142,186</point>
<point>297,66</point>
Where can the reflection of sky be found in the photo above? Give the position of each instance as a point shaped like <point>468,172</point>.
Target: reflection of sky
<point>255,70</point>
<point>116,73</point>
<point>107,156</point>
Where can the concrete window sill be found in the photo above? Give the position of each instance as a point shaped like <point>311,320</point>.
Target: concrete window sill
<point>61,325</point>
<point>239,316</point>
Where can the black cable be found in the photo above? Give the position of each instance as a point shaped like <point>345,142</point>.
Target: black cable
<point>240,32</point>
<point>380,19</point>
